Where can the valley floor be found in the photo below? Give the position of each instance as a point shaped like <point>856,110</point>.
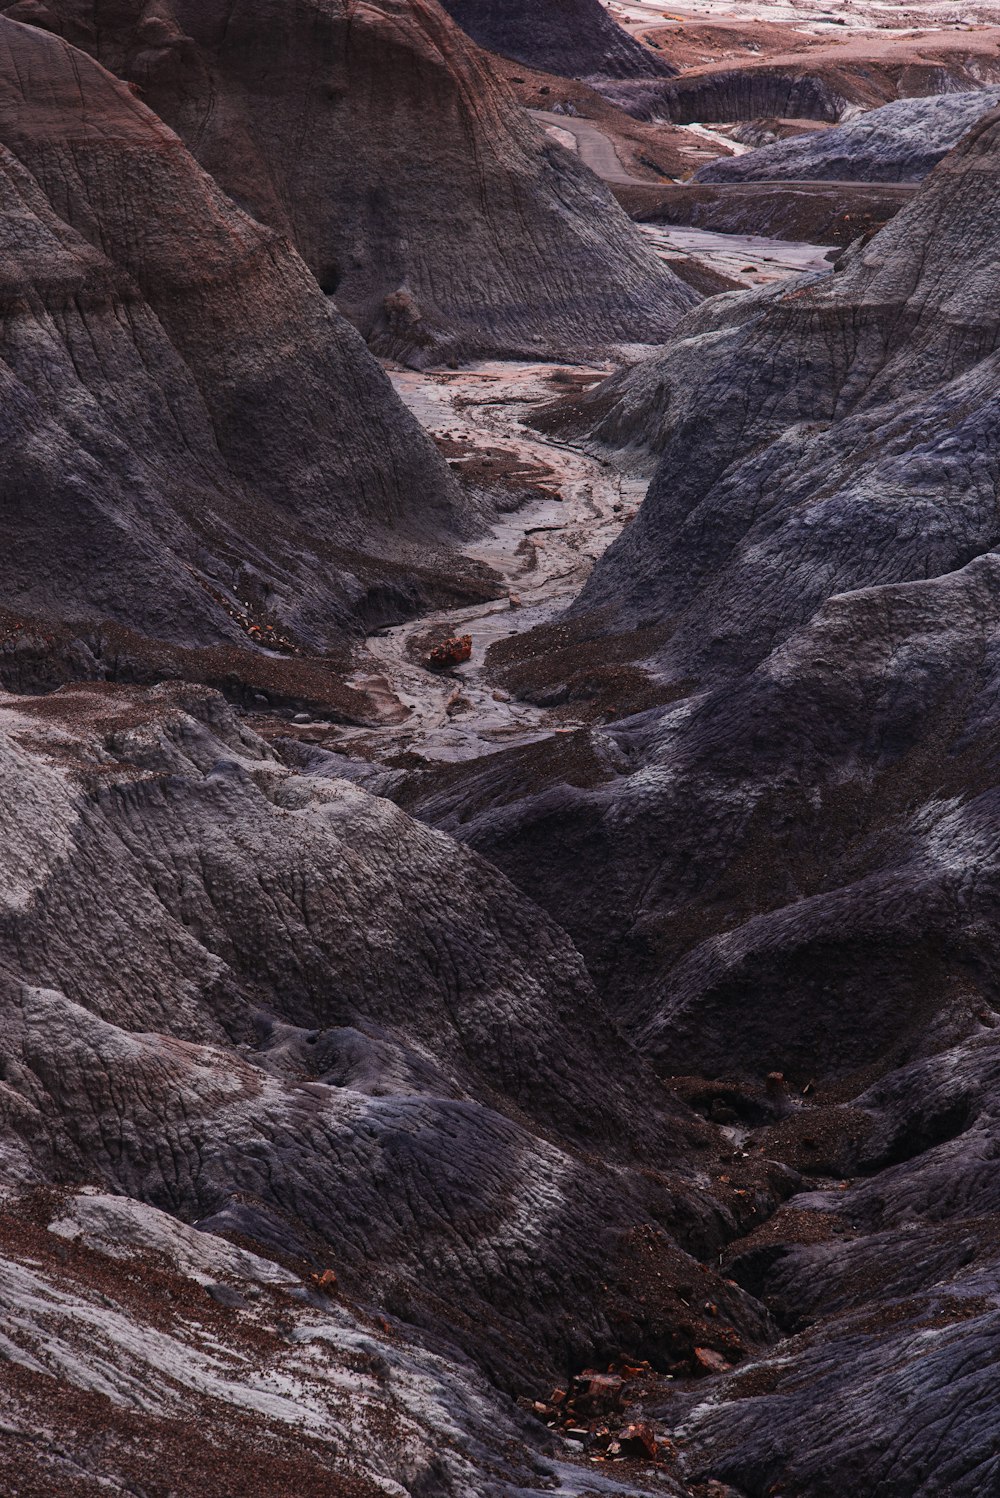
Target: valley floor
<point>543,550</point>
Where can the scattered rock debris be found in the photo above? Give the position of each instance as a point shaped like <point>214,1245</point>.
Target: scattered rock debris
<point>591,1414</point>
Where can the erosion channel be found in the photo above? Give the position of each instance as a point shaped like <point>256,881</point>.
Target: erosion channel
<point>570,502</point>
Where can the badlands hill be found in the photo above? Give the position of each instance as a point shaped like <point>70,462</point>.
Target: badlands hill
<point>790,866</point>
<point>746,69</point>
<point>378,139</point>
<point>572,1068</point>
<point>195,440</point>
<point>575,38</point>
<point>900,142</point>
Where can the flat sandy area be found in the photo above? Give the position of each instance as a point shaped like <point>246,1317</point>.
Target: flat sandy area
<point>831,16</point>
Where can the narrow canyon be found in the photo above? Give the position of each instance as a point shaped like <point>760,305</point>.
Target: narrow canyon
<point>499,706</point>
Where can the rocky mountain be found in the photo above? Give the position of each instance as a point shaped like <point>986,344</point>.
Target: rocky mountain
<point>359,132</point>
<point>900,142</point>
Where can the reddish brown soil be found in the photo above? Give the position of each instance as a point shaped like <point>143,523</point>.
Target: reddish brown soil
<point>694,44</point>
<point>570,664</point>
<point>215,1452</point>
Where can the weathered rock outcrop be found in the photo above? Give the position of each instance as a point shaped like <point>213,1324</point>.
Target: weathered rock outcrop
<point>812,576</point>
<point>195,442</point>
<point>377,137</point>
<point>810,78</point>
<point>888,1291</point>
<point>788,876</point>
<point>895,342</point>
<point>572,38</point>
<point>324,1128</point>
<point>734,94</point>
<point>274,1006</point>
<point>141,1355</point>
<point>900,142</point>
<point>832,214</point>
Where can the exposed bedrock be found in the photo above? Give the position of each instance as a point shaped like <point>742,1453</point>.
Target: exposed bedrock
<point>379,139</point>
<point>143,1355</point>
<point>844,422</point>
<point>733,94</point>
<point>819,84</point>
<point>900,142</point>
<point>767,877</point>
<point>572,38</point>
<point>327,1123</point>
<point>195,440</point>
<point>792,867</point>
<point>274,1005</point>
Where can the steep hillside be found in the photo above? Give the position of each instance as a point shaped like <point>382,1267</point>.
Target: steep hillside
<point>195,441</point>
<point>784,876</point>
<point>275,1007</point>
<point>378,138</point>
<point>574,38</point>
<point>898,143</point>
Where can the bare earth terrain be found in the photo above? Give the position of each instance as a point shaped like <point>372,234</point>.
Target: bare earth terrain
<point>499,787</point>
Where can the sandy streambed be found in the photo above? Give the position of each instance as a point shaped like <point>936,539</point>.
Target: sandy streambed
<point>542,551</point>
<point>749,259</point>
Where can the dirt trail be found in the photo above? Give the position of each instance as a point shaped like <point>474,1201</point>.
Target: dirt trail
<point>598,151</point>
<point>543,551</point>
<point>595,147</point>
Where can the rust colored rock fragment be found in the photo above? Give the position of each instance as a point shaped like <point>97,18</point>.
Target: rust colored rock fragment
<point>451,652</point>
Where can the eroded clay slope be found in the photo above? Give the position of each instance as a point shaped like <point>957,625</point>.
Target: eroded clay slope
<point>900,142</point>
<point>378,137</point>
<point>573,38</point>
<point>812,578</point>
<point>274,1006</point>
<point>141,1355</point>
<point>754,72</point>
<point>844,389</point>
<point>789,872</point>
<point>194,439</point>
